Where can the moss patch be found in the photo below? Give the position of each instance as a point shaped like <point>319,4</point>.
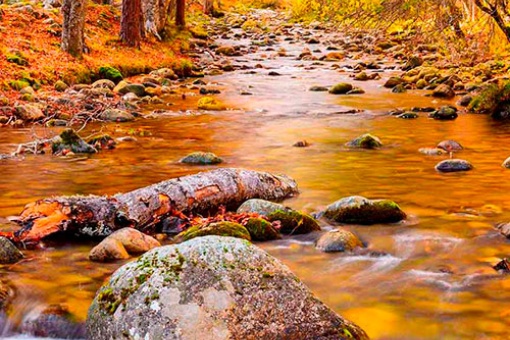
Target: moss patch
<point>220,229</point>
<point>261,230</point>
<point>294,222</point>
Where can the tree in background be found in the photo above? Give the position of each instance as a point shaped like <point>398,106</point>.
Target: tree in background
<point>499,12</point>
<point>180,14</point>
<point>73,27</point>
<point>208,7</point>
<point>131,22</point>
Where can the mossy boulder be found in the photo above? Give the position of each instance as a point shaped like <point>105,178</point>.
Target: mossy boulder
<point>211,288</point>
<point>261,230</point>
<point>201,158</point>
<point>258,206</point>
<point>454,165</point>
<point>69,140</point>
<point>493,99</point>
<point>9,253</point>
<point>362,76</point>
<point>445,113</point>
<point>110,73</point>
<point>60,86</point>
<point>392,82</point>
<point>360,210</point>
<point>19,85</point>
<point>223,228</point>
<point>211,104</point>
<point>124,87</point>
<point>294,222</point>
<point>338,240</point>
<point>366,141</point>
<point>400,88</point>
<point>341,88</point>
<point>17,58</point>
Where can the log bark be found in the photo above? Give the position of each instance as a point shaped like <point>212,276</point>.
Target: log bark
<point>146,208</point>
<point>73,26</point>
<point>130,25</point>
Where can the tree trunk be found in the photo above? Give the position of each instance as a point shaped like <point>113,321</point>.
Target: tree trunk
<point>493,11</point>
<point>73,26</point>
<point>155,15</point>
<point>147,208</point>
<point>180,15</point>
<point>208,7</point>
<point>130,32</point>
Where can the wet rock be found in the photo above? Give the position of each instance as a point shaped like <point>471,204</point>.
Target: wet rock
<point>108,250</point>
<point>211,104</point>
<point>454,165</point>
<point>465,100</point>
<point>443,91</point>
<point>445,113</point>
<point>223,228</point>
<point>362,76</point>
<point>449,146</point>
<point>261,230</point>
<point>134,241</point>
<point>111,73</point>
<point>69,141</point>
<point>301,144</point>
<point>211,288</point>
<point>258,206</point>
<point>412,63</point>
<point>228,51</point>
<point>201,158</point>
<point>408,115</point>
<point>205,91</point>
<point>400,88</point>
<point>366,141</point>
<point>392,82</point>
<point>318,89</point>
<point>116,115</point>
<point>54,322</point>
<point>164,73</point>
<point>9,253</point>
<point>294,222</point>
<point>339,240</point>
<point>504,229</point>
<point>432,151</point>
<point>503,266</point>
<point>29,112</point>
<point>124,87</point>
<point>60,86</point>
<point>341,88</point>
<point>421,84</point>
<point>102,142</point>
<point>360,210</point>
<point>506,163</point>
<point>103,84</point>
<point>356,90</point>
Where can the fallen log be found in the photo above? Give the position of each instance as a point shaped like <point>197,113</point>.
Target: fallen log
<point>145,209</point>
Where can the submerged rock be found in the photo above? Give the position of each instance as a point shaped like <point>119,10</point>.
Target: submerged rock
<point>360,210</point>
<point>68,140</point>
<point>454,165</point>
<point>54,322</point>
<point>445,113</point>
<point>108,250</point>
<point>341,88</point>
<point>338,240</point>
<point>211,288</point>
<point>294,222</point>
<point>366,141</point>
<point>223,228</point>
<point>9,253</point>
<point>258,206</point>
<point>201,158</point>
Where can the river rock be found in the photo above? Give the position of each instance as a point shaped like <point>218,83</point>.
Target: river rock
<point>432,151</point>
<point>319,89</point>
<point>60,86</point>
<point>341,88</point>
<point>504,229</point>
<point>258,206</point>
<point>360,210</point>
<point>506,163</point>
<point>124,87</point>
<point>135,241</point>
<point>449,146</point>
<point>443,91</point>
<point>400,88</point>
<point>116,115</point>
<point>69,140</point>
<point>454,165</point>
<point>223,228</point>
<point>211,288</point>
<point>201,158</point>
<point>108,250</point>
<point>445,113</point>
<point>408,115</point>
<point>294,222</point>
<point>392,82</point>
<point>29,112</point>
<point>103,84</point>
<point>339,240</point>
<point>228,51</point>
<point>54,322</point>
<point>261,230</point>
<point>366,141</point>
<point>9,253</point>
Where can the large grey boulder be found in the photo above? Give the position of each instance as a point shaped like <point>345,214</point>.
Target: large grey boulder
<point>211,288</point>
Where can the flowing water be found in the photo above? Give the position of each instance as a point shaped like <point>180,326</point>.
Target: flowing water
<point>433,277</point>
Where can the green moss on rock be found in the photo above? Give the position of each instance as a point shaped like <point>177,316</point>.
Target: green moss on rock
<point>294,222</point>
<point>201,158</point>
<point>211,104</point>
<point>261,230</point>
<point>366,141</point>
<point>341,88</point>
<point>110,73</point>
<point>220,229</point>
